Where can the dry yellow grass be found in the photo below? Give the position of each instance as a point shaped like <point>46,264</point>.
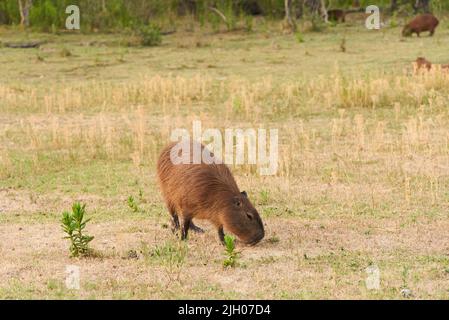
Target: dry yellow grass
<point>363,171</point>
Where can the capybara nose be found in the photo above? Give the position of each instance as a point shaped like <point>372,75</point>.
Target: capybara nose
<point>257,239</point>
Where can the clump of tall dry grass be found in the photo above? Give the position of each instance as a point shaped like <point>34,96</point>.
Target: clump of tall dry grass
<point>158,93</point>
<point>350,140</point>
<point>168,95</point>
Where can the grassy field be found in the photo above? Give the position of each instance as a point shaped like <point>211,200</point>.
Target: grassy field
<point>363,175</point>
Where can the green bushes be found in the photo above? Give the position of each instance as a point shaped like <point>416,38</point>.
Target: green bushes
<point>73,224</point>
<point>107,15</point>
<point>44,16</point>
<point>150,35</point>
<point>231,256</point>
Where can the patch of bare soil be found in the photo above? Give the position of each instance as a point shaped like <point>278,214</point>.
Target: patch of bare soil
<point>325,258</point>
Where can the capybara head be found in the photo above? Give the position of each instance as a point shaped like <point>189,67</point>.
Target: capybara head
<point>407,31</point>
<point>242,219</point>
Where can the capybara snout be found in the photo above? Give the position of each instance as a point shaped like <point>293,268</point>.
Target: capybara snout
<point>206,191</point>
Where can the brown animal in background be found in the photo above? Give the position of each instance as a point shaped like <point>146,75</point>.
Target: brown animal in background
<point>206,191</point>
<point>421,23</point>
<point>339,15</point>
<point>336,15</point>
<point>421,62</point>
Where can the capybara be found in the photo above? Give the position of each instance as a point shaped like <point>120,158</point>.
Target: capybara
<point>422,62</point>
<point>421,23</point>
<point>337,15</point>
<point>206,191</point>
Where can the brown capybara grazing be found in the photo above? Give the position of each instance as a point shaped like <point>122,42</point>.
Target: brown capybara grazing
<point>206,191</point>
<point>421,23</point>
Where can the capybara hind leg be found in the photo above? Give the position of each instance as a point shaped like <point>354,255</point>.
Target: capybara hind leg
<point>185,228</point>
<point>432,32</point>
<point>195,228</point>
<point>221,234</point>
<point>174,221</point>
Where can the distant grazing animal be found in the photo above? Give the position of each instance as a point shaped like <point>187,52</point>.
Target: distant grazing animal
<point>206,191</point>
<point>336,15</point>
<point>422,63</point>
<point>421,23</point>
<point>339,15</point>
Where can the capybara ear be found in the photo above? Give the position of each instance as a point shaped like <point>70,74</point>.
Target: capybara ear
<point>244,193</point>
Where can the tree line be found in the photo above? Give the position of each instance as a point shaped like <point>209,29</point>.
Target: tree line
<point>48,15</point>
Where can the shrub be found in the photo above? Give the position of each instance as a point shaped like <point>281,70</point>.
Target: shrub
<point>44,16</point>
<point>150,35</point>
<point>231,254</point>
<point>73,224</point>
<point>299,37</point>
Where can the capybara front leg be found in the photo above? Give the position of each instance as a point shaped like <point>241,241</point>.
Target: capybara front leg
<point>185,228</point>
<point>221,234</point>
<point>195,228</point>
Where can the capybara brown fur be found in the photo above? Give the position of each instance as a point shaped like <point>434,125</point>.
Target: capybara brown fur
<point>422,62</point>
<point>421,23</point>
<point>206,191</point>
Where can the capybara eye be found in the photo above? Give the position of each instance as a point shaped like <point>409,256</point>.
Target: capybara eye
<point>249,215</point>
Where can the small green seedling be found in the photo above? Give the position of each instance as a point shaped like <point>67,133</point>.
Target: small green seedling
<point>264,197</point>
<point>132,204</point>
<point>231,254</point>
<point>141,196</point>
<point>73,224</point>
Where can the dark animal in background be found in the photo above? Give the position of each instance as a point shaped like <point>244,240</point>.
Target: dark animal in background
<point>422,62</point>
<point>206,191</point>
<point>252,7</point>
<point>421,23</point>
<point>339,15</point>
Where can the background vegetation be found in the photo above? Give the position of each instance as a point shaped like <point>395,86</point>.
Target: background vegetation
<point>107,15</point>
